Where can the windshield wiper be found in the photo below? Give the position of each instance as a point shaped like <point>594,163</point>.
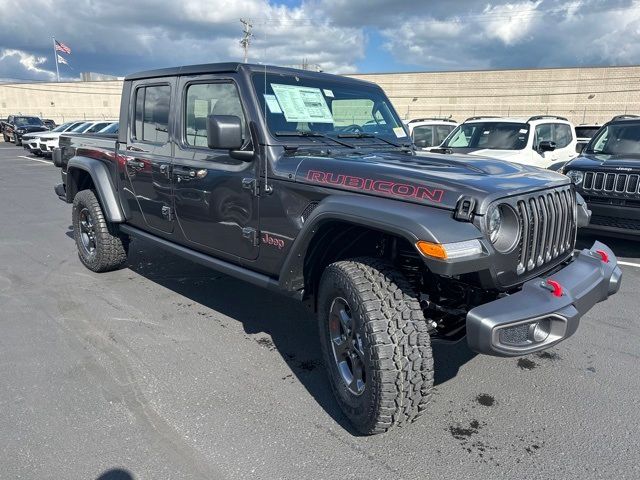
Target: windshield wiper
<point>304,133</point>
<point>371,135</point>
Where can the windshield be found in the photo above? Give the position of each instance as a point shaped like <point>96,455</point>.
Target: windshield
<point>82,127</point>
<point>586,132</point>
<point>617,139</point>
<point>22,121</point>
<point>61,128</point>
<point>113,128</point>
<point>491,135</point>
<point>295,103</point>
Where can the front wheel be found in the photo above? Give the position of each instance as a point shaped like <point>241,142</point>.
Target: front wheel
<point>100,247</point>
<point>16,141</point>
<point>375,344</point>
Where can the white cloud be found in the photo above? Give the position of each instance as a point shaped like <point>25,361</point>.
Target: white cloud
<point>28,63</point>
<point>510,22</point>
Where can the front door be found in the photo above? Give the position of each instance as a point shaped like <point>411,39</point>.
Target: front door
<point>215,207</point>
<point>146,158</point>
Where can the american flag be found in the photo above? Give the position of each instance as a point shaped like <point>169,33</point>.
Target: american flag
<point>61,47</point>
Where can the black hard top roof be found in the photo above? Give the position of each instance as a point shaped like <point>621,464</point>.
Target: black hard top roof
<point>231,67</point>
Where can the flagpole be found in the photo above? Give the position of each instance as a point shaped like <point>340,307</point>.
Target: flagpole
<point>55,57</point>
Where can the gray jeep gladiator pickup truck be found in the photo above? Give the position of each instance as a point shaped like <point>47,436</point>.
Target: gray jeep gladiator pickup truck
<point>308,184</point>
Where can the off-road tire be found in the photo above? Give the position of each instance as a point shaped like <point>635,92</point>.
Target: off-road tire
<point>110,247</point>
<point>16,141</point>
<point>5,138</point>
<point>395,342</point>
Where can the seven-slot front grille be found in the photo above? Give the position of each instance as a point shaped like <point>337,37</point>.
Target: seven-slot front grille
<point>548,221</point>
<point>626,183</point>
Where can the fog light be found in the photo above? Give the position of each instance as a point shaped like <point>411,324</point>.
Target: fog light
<point>539,331</point>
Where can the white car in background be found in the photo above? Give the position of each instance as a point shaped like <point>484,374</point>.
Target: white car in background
<point>48,142</point>
<point>430,132</point>
<point>31,141</point>
<point>541,141</point>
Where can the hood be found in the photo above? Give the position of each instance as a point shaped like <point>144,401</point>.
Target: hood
<point>32,128</point>
<point>597,161</point>
<point>51,135</point>
<point>431,179</point>
<point>510,155</point>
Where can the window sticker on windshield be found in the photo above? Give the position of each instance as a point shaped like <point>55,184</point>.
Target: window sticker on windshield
<point>327,92</point>
<point>523,130</point>
<point>302,104</point>
<point>399,131</point>
<point>272,103</point>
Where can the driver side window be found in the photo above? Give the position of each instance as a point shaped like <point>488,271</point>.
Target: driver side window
<point>204,99</point>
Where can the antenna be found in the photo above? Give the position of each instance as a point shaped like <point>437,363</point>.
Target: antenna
<point>246,37</point>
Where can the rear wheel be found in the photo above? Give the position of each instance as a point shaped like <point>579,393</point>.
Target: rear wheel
<point>375,344</point>
<point>100,247</point>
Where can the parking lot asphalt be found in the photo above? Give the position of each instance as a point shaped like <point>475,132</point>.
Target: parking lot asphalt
<point>169,370</point>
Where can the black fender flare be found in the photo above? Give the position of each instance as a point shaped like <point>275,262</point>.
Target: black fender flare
<point>407,220</point>
<point>103,182</point>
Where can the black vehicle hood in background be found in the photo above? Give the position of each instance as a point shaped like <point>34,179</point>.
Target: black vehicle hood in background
<point>32,128</point>
<point>430,179</point>
<point>598,161</point>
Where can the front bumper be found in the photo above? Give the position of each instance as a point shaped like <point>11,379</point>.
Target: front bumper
<point>535,318</point>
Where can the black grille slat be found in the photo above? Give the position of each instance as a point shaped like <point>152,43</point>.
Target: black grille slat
<point>617,183</point>
<point>588,181</point>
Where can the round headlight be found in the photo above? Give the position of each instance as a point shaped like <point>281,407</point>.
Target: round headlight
<point>503,227</point>
<point>575,176</point>
<point>494,222</point>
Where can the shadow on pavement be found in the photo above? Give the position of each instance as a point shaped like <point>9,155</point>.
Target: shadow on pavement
<point>292,328</point>
<point>116,474</point>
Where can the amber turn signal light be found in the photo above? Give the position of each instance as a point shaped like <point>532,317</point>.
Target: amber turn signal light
<point>435,250</point>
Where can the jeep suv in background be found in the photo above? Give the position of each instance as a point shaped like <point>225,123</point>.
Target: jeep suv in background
<point>539,141</point>
<point>430,132</point>
<point>607,175</point>
<point>31,141</point>
<point>47,143</point>
<point>307,184</point>
<point>18,125</point>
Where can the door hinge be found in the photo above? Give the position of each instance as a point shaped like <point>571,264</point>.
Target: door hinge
<point>167,212</point>
<point>251,234</point>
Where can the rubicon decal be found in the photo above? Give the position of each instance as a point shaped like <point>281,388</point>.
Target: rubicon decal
<point>390,188</point>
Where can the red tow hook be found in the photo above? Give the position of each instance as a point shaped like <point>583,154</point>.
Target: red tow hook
<point>603,255</point>
<point>553,286</point>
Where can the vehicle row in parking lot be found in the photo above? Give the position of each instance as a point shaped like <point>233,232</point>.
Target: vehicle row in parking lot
<point>43,143</point>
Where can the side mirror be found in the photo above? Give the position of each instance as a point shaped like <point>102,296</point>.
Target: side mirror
<point>546,146</point>
<point>224,131</point>
<point>580,147</point>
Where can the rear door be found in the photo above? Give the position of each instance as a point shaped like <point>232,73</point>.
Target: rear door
<point>146,157</point>
<point>565,142</point>
<point>215,206</point>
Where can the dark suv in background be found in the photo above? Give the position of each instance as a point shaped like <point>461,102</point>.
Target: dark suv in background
<point>607,175</point>
<point>18,125</point>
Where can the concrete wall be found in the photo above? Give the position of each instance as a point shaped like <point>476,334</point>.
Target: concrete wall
<point>62,101</point>
<point>581,94</point>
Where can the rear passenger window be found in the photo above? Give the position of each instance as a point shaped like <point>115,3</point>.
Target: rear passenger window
<point>204,99</point>
<point>152,114</point>
<point>562,135</point>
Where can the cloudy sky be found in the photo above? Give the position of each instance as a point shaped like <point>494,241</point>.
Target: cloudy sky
<point>123,36</point>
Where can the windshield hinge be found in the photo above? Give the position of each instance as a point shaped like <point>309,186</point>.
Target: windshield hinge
<point>251,234</point>
<point>252,185</point>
